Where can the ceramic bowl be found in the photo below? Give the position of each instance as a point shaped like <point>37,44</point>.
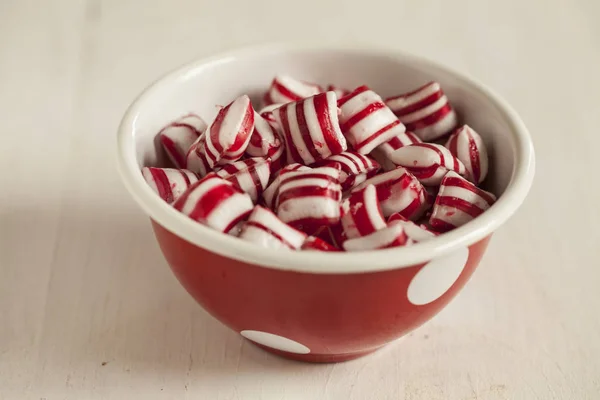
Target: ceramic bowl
<point>315,306</point>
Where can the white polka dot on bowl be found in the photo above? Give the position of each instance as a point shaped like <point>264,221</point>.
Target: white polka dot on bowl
<point>436,277</point>
<point>275,341</point>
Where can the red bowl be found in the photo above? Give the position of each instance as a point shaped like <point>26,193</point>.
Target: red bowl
<point>314,306</point>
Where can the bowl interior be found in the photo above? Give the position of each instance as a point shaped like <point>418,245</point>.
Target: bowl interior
<point>201,88</point>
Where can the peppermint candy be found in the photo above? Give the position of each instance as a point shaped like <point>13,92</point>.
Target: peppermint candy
<point>382,152</point>
<point>169,183</point>
<point>285,89</point>
<point>416,233</point>
<point>466,145</point>
<point>310,128</point>
<point>458,202</point>
<point>391,236</point>
<point>315,243</point>
<point>428,162</point>
<point>310,199</point>
<point>366,121</point>
<point>362,213</point>
<point>271,193</point>
<point>265,229</point>
<point>250,175</point>
<point>425,111</point>
<point>227,137</point>
<point>215,202</point>
<point>398,191</point>
<point>355,167</point>
<point>177,137</point>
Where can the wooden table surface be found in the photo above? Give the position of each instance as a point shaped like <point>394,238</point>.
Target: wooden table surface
<point>88,306</point>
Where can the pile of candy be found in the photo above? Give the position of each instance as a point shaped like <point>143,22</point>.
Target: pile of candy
<point>327,170</point>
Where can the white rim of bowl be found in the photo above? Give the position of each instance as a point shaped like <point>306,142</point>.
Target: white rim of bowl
<point>314,261</point>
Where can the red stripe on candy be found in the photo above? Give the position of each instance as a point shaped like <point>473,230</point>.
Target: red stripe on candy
<point>362,114</point>
<point>349,96</point>
<point>304,132</point>
<point>474,156</point>
<point>237,220</point>
<point>429,119</point>
<point>324,117</point>
<point>461,183</point>
<point>285,125</point>
<point>420,104</point>
<point>459,204</point>
<point>378,133</point>
<point>185,178</point>
<point>309,191</point>
<point>162,184</point>
<point>405,95</point>
<point>210,200</point>
<point>285,91</point>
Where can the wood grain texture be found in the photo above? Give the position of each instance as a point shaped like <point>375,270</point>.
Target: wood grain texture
<point>88,307</point>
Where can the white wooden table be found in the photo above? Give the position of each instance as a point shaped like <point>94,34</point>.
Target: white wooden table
<point>88,306</point>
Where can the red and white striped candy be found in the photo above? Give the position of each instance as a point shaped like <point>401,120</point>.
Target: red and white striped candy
<point>250,175</point>
<point>196,160</point>
<point>339,92</point>
<point>382,152</point>
<point>466,145</point>
<point>366,121</point>
<point>458,202</point>
<point>177,137</point>
<point>416,233</point>
<point>270,194</point>
<point>215,202</point>
<point>310,199</point>
<point>315,243</point>
<point>285,89</point>
<point>429,162</point>
<point>311,129</point>
<point>391,236</point>
<point>265,142</point>
<point>361,213</point>
<point>228,135</point>
<point>398,191</point>
<point>169,183</point>
<point>425,111</point>
<point>265,229</point>
<point>356,168</point>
